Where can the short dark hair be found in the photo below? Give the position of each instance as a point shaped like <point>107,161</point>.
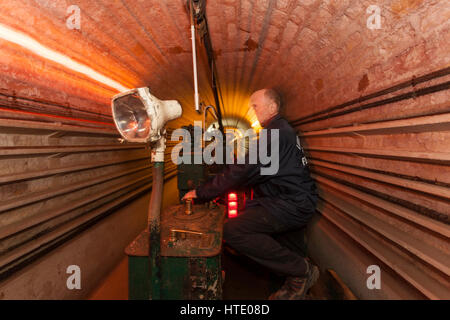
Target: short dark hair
<point>273,96</point>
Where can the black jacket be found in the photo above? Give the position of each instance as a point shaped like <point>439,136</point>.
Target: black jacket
<point>290,194</point>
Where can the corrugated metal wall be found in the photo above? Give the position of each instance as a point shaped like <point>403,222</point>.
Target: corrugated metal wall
<point>59,175</point>
<point>384,188</point>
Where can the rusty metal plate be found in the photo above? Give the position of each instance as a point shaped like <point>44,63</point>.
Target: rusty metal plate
<point>195,235</point>
<point>198,234</point>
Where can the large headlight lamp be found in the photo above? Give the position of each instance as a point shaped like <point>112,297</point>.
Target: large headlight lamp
<point>140,117</point>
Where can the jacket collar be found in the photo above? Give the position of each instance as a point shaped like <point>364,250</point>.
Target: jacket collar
<point>272,121</point>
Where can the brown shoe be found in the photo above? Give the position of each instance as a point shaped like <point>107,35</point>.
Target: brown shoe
<point>295,288</point>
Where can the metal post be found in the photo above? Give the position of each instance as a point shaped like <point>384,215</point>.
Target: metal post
<point>154,227</point>
<point>154,218</point>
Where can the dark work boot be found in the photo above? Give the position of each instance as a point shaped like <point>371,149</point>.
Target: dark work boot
<point>295,288</point>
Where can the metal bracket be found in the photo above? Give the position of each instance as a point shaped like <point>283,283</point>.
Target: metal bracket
<point>175,232</point>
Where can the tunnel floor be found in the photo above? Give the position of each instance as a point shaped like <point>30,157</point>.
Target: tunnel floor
<point>244,280</point>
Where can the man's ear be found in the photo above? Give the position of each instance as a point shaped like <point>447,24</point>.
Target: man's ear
<point>273,107</point>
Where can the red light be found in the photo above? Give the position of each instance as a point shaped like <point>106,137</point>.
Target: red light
<point>232,205</point>
<point>232,213</point>
<point>232,197</point>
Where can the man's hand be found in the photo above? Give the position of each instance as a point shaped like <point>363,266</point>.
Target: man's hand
<point>190,195</point>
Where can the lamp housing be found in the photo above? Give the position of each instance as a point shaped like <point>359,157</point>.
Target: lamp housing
<point>140,117</point>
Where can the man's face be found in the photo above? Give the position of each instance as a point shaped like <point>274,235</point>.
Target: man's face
<point>264,109</point>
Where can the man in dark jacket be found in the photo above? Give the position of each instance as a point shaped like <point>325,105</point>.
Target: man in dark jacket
<point>282,202</point>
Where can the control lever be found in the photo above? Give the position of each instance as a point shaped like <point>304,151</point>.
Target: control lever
<point>175,232</point>
<point>188,206</point>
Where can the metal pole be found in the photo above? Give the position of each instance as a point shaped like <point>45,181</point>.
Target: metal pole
<point>154,227</point>
<point>154,218</point>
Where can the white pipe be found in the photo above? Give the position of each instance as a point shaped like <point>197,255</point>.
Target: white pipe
<point>194,60</point>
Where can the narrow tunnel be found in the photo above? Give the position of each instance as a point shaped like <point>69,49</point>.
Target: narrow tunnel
<point>365,84</point>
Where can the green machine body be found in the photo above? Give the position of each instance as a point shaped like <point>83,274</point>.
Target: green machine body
<point>190,262</point>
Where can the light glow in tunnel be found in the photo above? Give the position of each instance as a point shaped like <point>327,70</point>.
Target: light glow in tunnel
<point>34,46</point>
<point>256,125</point>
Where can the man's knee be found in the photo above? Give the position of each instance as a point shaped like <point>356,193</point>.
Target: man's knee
<point>228,231</point>
<point>232,233</point>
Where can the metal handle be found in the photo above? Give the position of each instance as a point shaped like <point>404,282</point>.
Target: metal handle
<point>188,207</point>
<point>175,232</point>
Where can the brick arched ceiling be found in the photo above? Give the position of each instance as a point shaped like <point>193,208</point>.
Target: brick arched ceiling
<point>317,53</point>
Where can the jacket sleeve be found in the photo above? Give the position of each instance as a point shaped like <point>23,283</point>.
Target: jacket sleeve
<point>233,175</point>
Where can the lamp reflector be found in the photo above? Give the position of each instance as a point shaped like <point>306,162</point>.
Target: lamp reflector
<point>131,117</point>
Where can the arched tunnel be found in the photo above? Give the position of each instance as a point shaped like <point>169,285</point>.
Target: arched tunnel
<point>364,83</point>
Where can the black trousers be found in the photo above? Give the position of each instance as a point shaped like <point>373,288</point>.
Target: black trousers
<point>254,233</point>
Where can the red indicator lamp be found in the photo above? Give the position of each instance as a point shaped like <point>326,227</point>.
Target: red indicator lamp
<point>232,213</point>
<point>232,205</point>
<point>232,196</point>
